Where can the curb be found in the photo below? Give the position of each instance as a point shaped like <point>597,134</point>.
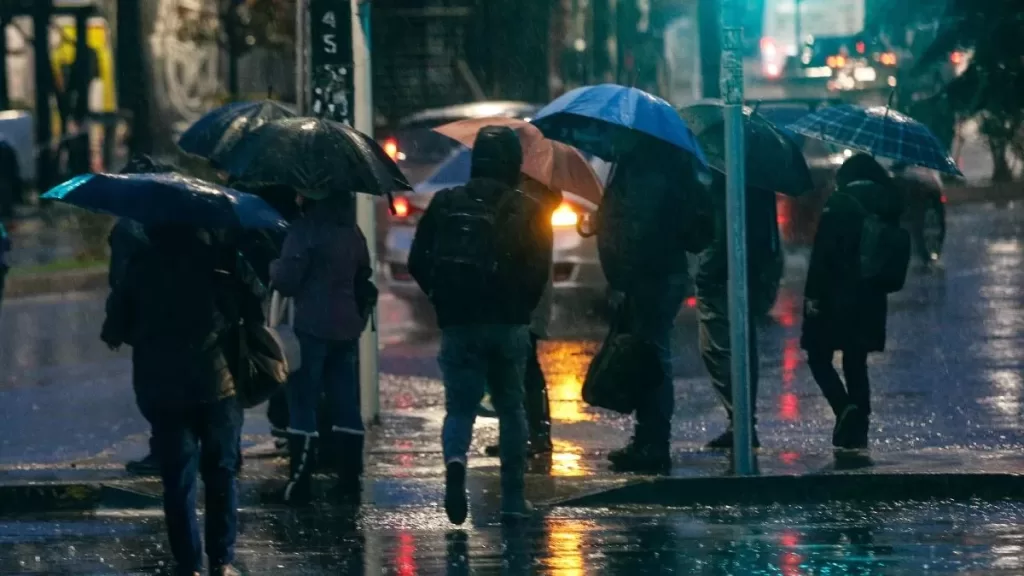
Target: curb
<point>811,488</point>
<point>87,280</point>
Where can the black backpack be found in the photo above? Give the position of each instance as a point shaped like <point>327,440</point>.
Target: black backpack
<point>884,254</point>
<point>467,247</point>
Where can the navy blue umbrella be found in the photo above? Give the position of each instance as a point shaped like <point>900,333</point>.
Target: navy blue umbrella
<point>216,133</point>
<point>605,120</point>
<point>880,132</point>
<point>167,199</point>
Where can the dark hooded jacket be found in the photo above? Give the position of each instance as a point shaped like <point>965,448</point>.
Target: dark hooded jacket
<point>175,305</point>
<point>840,311</point>
<point>497,160</point>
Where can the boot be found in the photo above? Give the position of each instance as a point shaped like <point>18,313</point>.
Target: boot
<point>301,450</point>
<point>642,458</point>
<point>538,411</point>
<point>348,464</point>
<point>841,431</point>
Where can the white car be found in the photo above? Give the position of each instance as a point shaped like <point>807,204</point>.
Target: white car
<point>578,278</point>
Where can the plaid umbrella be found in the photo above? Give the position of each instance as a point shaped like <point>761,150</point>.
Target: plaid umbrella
<point>880,132</point>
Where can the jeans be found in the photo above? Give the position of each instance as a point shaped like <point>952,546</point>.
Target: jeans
<point>474,358</point>
<point>716,348</point>
<point>651,310</point>
<point>328,368</point>
<point>855,368</point>
<point>203,438</point>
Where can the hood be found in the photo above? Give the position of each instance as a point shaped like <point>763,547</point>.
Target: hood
<point>497,155</point>
<point>886,202</point>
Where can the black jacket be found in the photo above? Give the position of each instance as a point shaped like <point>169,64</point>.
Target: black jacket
<point>172,306</point>
<point>524,236</point>
<point>840,311</point>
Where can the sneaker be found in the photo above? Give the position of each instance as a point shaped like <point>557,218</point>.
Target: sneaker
<point>644,459</point>
<point>860,424</point>
<point>455,504</point>
<point>520,512</point>
<point>841,431</point>
<point>724,440</point>
<point>533,449</point>
<point>148,466</point>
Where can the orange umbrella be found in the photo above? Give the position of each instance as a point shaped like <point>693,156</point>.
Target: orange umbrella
<point>554,164</point>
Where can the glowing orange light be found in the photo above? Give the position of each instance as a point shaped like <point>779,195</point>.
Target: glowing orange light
<point>402,207</point>
<point>391,148</point>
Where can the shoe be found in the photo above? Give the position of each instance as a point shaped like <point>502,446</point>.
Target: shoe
<point>521,511</point>
<point>860,423</point>
<point>348,466</point>
<point>536,447</point>
<point>455,504</point>
<point>148,466</point>
<point>620,454</point>
<point>299,489</point>
<point>645,459</point>
<point>724,440</point>
<point>841,431</point>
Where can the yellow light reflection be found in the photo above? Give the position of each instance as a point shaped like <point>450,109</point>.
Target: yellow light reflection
<point>565,394</point>
<point>565,547</point>
<point>566,458</point>
<point>564,365</point>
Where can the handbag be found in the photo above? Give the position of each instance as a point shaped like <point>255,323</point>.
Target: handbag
<point>282,309</point>
<point>625,368</point>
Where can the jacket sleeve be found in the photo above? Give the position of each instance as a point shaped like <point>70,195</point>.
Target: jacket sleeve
<point>535,253</point>
<point>117,326</point>
<point>421,252</point>
<point>288,272</point>
<point>251,291</point>
<point>820,269</point>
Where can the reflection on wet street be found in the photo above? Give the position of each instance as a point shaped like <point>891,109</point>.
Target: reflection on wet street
<point>897,539</point>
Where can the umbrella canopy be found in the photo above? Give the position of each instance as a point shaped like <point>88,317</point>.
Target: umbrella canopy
<point>315,157</point>
<point>556,165</point>
<point>154,199</point>
<point>606,120</point>
<point>216,132</point>
<point>880,132</point>
<point>774,161</point>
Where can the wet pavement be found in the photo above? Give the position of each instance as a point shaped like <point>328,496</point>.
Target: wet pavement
<point>947,395</point>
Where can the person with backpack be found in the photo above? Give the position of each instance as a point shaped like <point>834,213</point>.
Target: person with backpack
<point>655,209</point>
<point>860,255</point>
<point>325,267</point>
<point>484,273</point>
<point>169,306</point>
<point>764,270</point>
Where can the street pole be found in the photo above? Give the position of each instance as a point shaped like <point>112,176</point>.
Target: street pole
<point>739,310</point>
<point>362,77</point>
<point>334,82</point>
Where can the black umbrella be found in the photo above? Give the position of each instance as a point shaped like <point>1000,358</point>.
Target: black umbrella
<point>212,136</point>
<point>774,160</point>
<point>314,157</point>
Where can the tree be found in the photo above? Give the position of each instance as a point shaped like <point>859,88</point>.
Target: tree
<point>991,89</point>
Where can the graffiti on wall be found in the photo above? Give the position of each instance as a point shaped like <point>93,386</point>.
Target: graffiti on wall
<point>185,59</point>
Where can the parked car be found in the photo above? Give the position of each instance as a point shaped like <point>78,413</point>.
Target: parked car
<point>578,278</point>
<point>925,217</point>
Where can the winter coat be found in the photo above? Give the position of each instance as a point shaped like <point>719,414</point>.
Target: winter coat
<point>764,250</point>
<point>524,239</point>
<point>549,200</point>
<point>323,255</point>
<point>840,311</point>
<point>172,306</point>
<point>653,211</point>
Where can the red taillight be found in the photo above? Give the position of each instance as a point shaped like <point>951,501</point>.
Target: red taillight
<point>768,48</point>
<point>691,302</point>
<point>956,57</point>
<point>860,47</point>
<point>391,148</point>
<point>402,207</point>
<point>943,199</point>
<point>887,59</point>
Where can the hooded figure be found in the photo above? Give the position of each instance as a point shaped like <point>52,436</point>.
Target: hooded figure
<point>842,312</point>
<point>478,258</point>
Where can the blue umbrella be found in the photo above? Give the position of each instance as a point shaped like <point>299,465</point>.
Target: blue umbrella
<point>879,131</point>
<point>605,119</point>
<point>216,132</point>
<point>167,199</point>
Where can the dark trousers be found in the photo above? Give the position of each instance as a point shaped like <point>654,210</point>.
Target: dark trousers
<point>855,391</point>
<point>716,349</point>
<point>200,439</point>
<point>329,369</point>
<point>535,397</point>
<point>149,412</point>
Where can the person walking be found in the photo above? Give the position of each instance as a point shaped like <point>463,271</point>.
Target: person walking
<point>170,308</point>
<point>483,271</point>
<point>324,267</point>
<point>843,310</point>
<point>127,238</point>
<point>535,388</point>
<point>765,262</point>
<point>653,212</point>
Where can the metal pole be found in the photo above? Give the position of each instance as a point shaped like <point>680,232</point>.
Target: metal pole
<point>739,312</point>
<point>362,77</point>
<point>44,88</point>
<point>301,57</point>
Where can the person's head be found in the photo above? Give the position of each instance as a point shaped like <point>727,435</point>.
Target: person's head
<point>143,164</point>
<point>862,167</point>
<point>281,198</point>
<point>497,154</point>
